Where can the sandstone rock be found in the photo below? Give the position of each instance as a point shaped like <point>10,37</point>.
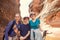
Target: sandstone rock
<point>8,8</point>
<point>35,6</point>
<point>54,20</point>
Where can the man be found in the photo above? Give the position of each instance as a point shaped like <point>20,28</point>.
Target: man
<point>12,28</point>
<point>25,29</point>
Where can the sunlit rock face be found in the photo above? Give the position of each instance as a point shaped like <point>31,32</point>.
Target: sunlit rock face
<point>8,8</point>
<point>35,6</point>
<point>53,17</point>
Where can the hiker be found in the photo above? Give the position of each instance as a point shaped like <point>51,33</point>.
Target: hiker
<point>12,28</point>
<point>25,29</point>
<point>35,29</point>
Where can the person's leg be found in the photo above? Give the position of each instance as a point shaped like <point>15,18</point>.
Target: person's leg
<point>38,35</point>
<point>15,38</point>
<point>35,35</point>
<point>32,36</point>
<point>10,38</point>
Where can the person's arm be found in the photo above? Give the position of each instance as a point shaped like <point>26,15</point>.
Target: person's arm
<point>40,28</point>
<point>23,38</point>
<point>6,33</point>
<point>39,25</point>
<point>28,31</point>
<point>27,35</point>
<point>7,30</point>
<point>15,29</point>
<point>18,29</point>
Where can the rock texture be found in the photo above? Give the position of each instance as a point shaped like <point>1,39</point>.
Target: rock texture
<point>53,18</point>
<point>8,8</point>
<point>35,6</point>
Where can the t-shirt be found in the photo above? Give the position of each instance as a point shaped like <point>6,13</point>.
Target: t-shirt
<point>24,30</point>
<point>34,25</point>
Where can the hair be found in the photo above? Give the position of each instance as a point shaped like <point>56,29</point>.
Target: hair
<point>31,14</point>
<point>26,18</point>
<point>17,14</point>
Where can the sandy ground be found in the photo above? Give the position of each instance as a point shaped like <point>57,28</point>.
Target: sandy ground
<point>55,35</point>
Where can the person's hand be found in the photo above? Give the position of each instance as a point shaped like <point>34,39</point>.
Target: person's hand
<point>18,33</point>
<point>22,38</point>
<point>41,29</point>
<point>15,29</point>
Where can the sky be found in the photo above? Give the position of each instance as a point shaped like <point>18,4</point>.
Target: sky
<point>24,7</point>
